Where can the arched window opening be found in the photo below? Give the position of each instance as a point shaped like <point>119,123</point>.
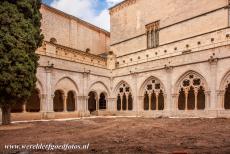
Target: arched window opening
<point>161,101</point>
<point>70,101</point>
<point>146,101</point>
<point>17,107</point>
<point>154,95</point>
<point>153,101</point>
<point>130,102</point>
<point>92,103</point>
<point>191,99</point>
<point>58,101</point>
<point>181,100</point>
<point>227,97</point>
<point>201,99</point>
<point>118,102</point>
<point>33,103</point>
<point>124,98</point>
<point>124,102</point>
<point>102,102</point>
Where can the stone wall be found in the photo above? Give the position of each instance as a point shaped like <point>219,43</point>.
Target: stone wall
<point>178,20</point>
<point>72,32</point>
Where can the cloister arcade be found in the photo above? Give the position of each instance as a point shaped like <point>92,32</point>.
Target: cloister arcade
<point>191,90</point>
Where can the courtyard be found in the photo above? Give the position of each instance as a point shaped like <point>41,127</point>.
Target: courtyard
<point>123,135</point>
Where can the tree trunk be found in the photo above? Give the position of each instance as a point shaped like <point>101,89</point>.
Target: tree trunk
<point>6,118</point>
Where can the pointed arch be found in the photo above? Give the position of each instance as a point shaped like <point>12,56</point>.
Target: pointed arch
<point>225,81</point>
<point>116,89</point>
<point>148,80</point>
<point>191,87</point>
<point>99,85</point>
<point>177,85</point>
<point>224,94</point>
<point>66,84</point>
<point>153,92</point>
<point>124,97</point>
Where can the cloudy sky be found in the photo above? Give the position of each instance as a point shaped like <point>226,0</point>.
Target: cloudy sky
<point>93,11</point>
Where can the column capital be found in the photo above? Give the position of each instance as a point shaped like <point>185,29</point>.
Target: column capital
<point>220,92</point>
<point>175,95</point>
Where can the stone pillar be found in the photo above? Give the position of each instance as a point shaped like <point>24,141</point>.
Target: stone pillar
<point>157,102</point>
<point>220,94</point>
<point>49,98</point>
<point>140,105</point>
<point>169,102</point>
<point>42,102</point>
<point>111,104</point>
<point>175,101</point>
<point>207,100</point>
<point>186,100</point>
<point>196,94</point>
<point>64,97</point>
<point>150,102</point>
<point>76,102</point>
<point>24,107</point>
<point>127,101</point>
<point>213,75</point>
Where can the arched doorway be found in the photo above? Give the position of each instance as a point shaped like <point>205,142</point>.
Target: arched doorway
<point>227,97</point>
<point>92,103</point>
<point>102,102</point>
<point>71,101</point>
<point>33,103</point>
<point>58,101</point>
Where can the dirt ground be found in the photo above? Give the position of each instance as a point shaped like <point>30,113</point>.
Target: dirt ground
<point>124,135</point>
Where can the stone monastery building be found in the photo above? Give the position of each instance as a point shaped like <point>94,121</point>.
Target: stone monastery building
<point>162,58</point>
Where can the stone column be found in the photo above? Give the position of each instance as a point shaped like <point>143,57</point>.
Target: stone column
<point>140,105</point>
<point>186,100</point>
<point>175,100</point>
<point>49,98</point>
<point>196,94</point>
<point>127,101</point>
<point>169,88</point>
<point>207,99</point>
<point>157,102</point>
<point>111,104</point>
<point>42,102</point>
<point>24,107</point>
<point>150,102</point>
<point>213,75</point>
<point>220,94</point>
<point>76,102</point>
<point>64,97</point>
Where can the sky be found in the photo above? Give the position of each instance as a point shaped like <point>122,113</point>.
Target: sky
<point>93,11</point>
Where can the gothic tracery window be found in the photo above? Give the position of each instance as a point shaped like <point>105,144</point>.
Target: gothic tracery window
<point>153,34</point>
<point>191,93</point>
<point>124,98</point>
<point>154,95</point>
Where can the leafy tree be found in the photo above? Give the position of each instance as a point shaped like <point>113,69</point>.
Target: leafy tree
<point>20,36</point>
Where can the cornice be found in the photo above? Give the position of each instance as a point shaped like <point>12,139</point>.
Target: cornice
<point>121,5</point>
